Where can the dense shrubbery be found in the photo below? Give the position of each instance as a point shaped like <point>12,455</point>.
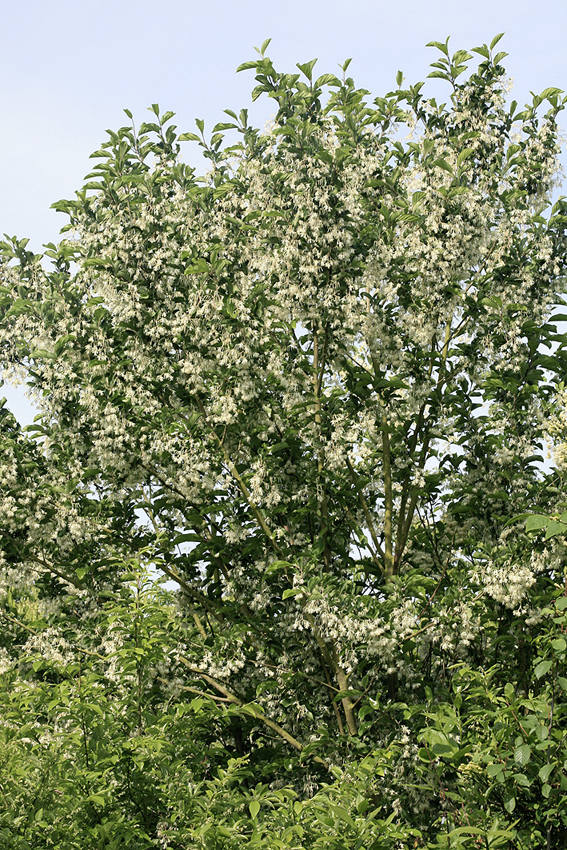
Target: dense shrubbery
<point>312,390</point>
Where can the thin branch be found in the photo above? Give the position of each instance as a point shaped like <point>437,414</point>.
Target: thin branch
<point>318,369</point>
<point>388,502</point>
<point>34,632</point>
<point>281,669</point>
<point>367,514</point>
<point>207,603</point>
<point>232,698</point>
<point>335,706</point>
<point>341,676</point>
<point>199,625</point>
<point>51,569</point>
<point>348,705</point>
<point>244,489</point>
<point>203,532</point>
<point>214,697</point>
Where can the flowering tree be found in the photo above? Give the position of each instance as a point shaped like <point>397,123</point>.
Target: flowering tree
<point>312,389</point>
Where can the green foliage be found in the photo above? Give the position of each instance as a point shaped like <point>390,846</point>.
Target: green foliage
<point>107,744</point>
<point>309,391</point>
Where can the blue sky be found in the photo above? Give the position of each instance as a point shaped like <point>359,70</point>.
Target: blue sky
<point>69,67</point>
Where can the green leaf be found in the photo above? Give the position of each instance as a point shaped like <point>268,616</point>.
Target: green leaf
<point>464,154</point>
<point>550,92</point>
<point>482,51</point>
<point>510,802</point>
<point>554,527</point>
<point>307,68</point>
<point>544,772</point>
<point>254,807</point>
<point>247,66</point>
<point>541,732</point>
<point>441,75</point>
<point>323,818</point>
<point>342,814</point>
<point>276,566</point>
<point>546,790</point>
<point>542,668</point>
<point>441,163</point>
<point>536,522</point>
<point>495,40</point>
<point>460,56</point>
<point>224,125</point>
<point>326,80</point>
<point>494,769</point>
<point>442,46</point>
<point>466,830</point>
<point>42,354</point>
<point>522,754</point>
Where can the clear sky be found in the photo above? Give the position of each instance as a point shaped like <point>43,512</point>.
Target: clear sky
<point>69,67</point>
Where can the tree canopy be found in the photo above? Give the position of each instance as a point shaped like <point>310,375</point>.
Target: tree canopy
<point>282,560</point>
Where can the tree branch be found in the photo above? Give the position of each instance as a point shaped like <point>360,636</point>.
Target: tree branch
<point>232,698</point>
<point>367,514</point>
